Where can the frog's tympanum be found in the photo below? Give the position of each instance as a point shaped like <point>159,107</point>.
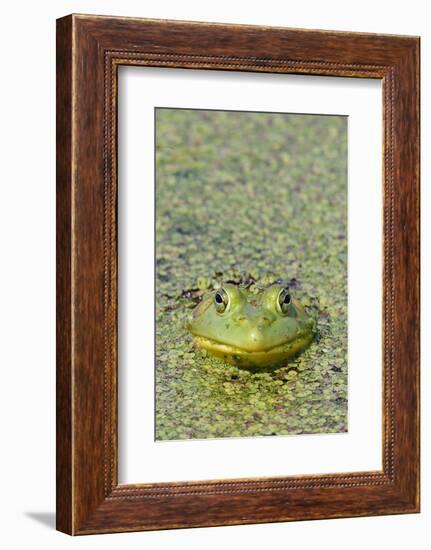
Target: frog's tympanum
<point>252,330</point>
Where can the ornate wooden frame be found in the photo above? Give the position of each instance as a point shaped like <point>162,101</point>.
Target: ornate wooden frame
<point>89,51</point>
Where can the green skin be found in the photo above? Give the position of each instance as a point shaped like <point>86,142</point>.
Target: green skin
<point>253,331</point>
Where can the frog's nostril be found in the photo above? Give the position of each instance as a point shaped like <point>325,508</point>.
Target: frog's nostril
<point>241,319</point>
<point>266,320</point>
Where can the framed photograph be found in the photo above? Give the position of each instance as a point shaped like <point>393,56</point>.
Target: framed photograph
<point>237,274</point>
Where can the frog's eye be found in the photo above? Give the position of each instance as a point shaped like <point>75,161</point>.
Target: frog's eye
<point>283,301</point>
<point>221,300</point>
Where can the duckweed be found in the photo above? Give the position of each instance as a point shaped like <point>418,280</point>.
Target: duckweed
<point>250,198</point>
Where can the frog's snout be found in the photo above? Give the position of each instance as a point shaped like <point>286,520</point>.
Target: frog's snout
<point>266,320</point>
<point>257,321</point>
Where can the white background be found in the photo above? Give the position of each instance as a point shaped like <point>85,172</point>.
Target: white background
<point>141,458</point>
<point>27,274</point>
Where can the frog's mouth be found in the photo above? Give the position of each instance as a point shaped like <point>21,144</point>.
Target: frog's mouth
<point>262,356</point>
<point>230,350</point>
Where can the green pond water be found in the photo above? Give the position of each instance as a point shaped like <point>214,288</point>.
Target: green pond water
<point>250,196</point>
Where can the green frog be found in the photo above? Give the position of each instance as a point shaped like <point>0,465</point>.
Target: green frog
<point>252,329</point>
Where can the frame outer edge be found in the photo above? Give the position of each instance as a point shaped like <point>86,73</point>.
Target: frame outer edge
<point>407,272</point>
<point>64,368</point>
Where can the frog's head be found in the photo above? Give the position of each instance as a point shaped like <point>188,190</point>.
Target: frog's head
<point>251,329</point>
